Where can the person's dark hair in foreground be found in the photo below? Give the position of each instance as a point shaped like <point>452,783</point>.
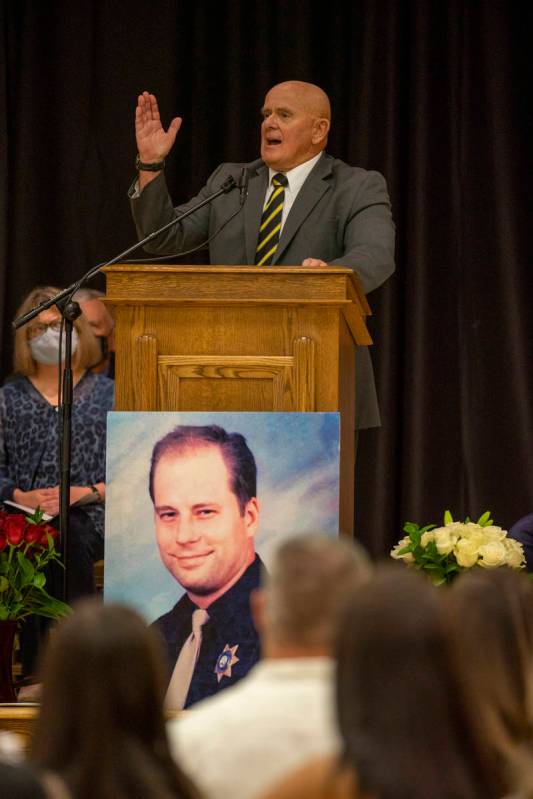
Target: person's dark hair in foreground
<point>18,781</point>
<point>405,729</point>
<point>101,727</point>
<point>492,623</point>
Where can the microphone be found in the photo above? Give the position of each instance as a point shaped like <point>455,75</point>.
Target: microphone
<point>228,185</point>
<point>243,186</point>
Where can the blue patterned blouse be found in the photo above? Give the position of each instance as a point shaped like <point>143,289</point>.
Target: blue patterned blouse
<point>29,438</point>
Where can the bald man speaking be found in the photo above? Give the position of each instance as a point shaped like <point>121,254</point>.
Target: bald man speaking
<point>302,207</point>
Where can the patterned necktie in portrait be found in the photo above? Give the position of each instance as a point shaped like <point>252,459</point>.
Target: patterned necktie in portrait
<point>270,227</point>
<point>180,682</point>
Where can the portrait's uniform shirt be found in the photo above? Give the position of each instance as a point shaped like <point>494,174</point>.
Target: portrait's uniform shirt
<point>230,644</point>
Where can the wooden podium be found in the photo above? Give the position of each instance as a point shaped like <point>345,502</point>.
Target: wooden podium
<point>241,338</point>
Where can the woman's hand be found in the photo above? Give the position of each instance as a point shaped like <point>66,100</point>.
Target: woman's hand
<point>45,498</point>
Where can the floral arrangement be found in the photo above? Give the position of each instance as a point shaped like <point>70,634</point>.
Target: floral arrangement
<point>445,551</point>
<point>27,545</point>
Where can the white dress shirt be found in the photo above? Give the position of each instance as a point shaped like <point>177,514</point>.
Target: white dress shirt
<point>296,178</point>
<point>241,741</point>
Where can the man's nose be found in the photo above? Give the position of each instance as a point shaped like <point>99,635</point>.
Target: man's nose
<point>186,531</point>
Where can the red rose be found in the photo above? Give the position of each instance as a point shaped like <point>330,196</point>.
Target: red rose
<point>33,534</point>
<point>3,542</point>
<point>14,528</point>
<point>47,530</point>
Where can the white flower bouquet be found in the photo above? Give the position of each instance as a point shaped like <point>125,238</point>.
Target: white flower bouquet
<point>445,551</point>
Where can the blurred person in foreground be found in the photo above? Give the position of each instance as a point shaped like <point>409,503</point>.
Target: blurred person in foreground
<point>18,781</point>
<point>492,617</point>
<point>282,713</point>
<point>101,729</point>
<point>102,326</point>
<point>407,728</point>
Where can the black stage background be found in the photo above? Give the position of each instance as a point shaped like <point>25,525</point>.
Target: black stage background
<point>435,95</point>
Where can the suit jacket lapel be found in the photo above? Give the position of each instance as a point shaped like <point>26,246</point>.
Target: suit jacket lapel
<point>308,196</point>
<point>253,208</point>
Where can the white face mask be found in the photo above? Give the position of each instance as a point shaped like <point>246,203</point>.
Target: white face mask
<point>45,348</point>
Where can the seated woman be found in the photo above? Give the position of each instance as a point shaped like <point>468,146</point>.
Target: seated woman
<point>29,435</point>
<point>406,727</point>
<point>101,729</point>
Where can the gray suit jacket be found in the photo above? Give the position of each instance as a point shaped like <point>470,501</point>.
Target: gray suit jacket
<point>341,215</point>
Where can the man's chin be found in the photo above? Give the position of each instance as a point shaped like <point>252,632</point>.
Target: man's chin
<point>272,159</point>
<point>200,589</point>
<point>197,581</point>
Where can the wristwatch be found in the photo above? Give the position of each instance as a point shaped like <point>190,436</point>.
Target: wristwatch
<point>156,167</point>
<point>97,494</point>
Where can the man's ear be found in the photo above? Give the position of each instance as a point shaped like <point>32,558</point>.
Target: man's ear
<point>257,606</point>
<point>251,516</point>
<point>320,130</point>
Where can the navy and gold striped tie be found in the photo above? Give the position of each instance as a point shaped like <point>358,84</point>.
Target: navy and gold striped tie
<point>270,227</point>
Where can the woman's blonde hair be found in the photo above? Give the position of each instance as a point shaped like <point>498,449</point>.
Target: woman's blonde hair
<point>87,352</point>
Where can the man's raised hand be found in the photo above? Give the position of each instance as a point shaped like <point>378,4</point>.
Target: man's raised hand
<point>153,141</point>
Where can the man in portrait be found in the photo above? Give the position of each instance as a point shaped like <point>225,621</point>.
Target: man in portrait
<point>203,488</point>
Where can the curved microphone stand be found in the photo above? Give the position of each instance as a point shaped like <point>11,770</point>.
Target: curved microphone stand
<point>70,312</point>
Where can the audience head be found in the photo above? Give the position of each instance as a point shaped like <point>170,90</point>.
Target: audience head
<point>297,609</point>
<point>405,731</point>
<point>101,724</point>
<point>99,318</point>
<point>86,351</point>
<point>491,612</point>
<point>95,311</point>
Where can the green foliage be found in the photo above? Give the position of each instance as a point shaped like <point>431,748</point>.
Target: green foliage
<point>27,547</point>
<point>437,554</point>
<point>441,568</point>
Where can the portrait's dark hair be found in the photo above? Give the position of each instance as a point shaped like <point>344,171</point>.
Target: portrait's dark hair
<point>491,612</point>
<point>405,731</point>
<point>101,726</point>
<point>238,458</point>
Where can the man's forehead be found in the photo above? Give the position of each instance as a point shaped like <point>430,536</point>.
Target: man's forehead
<point>187,452</point>
<point>297,95</point>
<point>95,311</point>
<point>196,474</point>
<point>282,101</point>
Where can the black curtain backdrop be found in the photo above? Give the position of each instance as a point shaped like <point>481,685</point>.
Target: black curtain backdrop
<point>434,95</point>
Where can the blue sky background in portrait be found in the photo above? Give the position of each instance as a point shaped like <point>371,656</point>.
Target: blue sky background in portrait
<point>297,456</point>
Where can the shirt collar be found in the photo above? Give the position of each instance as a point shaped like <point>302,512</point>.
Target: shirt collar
<point>296,176</point>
